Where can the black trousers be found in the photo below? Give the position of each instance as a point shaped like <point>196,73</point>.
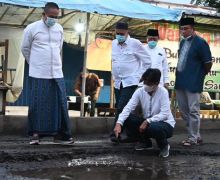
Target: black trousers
<point>122,96</point>
<point>160,131</point>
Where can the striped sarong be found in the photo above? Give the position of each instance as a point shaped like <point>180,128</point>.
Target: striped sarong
<point>48,114</point>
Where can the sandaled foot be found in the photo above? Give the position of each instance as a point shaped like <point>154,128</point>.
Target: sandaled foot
<point>188,142</point>
<point>199,141</point>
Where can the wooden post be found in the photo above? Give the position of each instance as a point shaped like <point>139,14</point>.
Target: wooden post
<point>5,64</point>
<point>3,91</point>
<point>3,87</point>
<point>84,66</point>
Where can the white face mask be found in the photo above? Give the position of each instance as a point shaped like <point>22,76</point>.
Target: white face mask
<point>150,88</point>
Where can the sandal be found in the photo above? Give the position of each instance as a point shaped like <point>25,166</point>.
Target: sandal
<point>199,141</point>
<point>188,143</point>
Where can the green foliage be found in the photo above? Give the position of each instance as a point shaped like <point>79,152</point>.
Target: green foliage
<point>209,3</point>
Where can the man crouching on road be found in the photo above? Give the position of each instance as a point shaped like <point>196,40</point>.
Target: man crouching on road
<point>157,121</point>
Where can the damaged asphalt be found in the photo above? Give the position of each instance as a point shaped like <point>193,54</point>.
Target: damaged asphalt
<point>17,148</point>
<point>94,156</point>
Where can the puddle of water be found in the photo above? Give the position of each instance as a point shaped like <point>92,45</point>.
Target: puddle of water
<point>132,167</point>
<point>94,173</point>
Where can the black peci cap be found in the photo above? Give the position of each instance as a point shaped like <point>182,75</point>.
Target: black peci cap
<point>187,21</point>
<point>152,32</point>
<point>122,25</point>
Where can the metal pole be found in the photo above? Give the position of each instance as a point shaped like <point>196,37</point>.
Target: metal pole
<point>112,94</point>
<point>112,99</point>
<point>84,65</point>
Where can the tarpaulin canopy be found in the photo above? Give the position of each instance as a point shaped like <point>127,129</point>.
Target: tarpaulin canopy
<point>128,8</point>
<point>19,13</point>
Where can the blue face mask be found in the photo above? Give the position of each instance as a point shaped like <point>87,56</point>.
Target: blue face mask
<point>152,44</point>
<point>121,38</point>
<point>50,21</point>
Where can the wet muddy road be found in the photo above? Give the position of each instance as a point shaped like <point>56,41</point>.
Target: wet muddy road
<point>117,167</point>
<point>95,158</point>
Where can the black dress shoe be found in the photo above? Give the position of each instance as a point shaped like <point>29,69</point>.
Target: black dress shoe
<point>128,140</point>
<point>143,146</point>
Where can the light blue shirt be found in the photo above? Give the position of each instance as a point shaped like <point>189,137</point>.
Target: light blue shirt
<point>183,55</point>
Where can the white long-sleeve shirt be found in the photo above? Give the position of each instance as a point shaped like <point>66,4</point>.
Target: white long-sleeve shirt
<point>155,108</point>
<point>129,61</point>
<point>159,61</point>
<point>41,48</point>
